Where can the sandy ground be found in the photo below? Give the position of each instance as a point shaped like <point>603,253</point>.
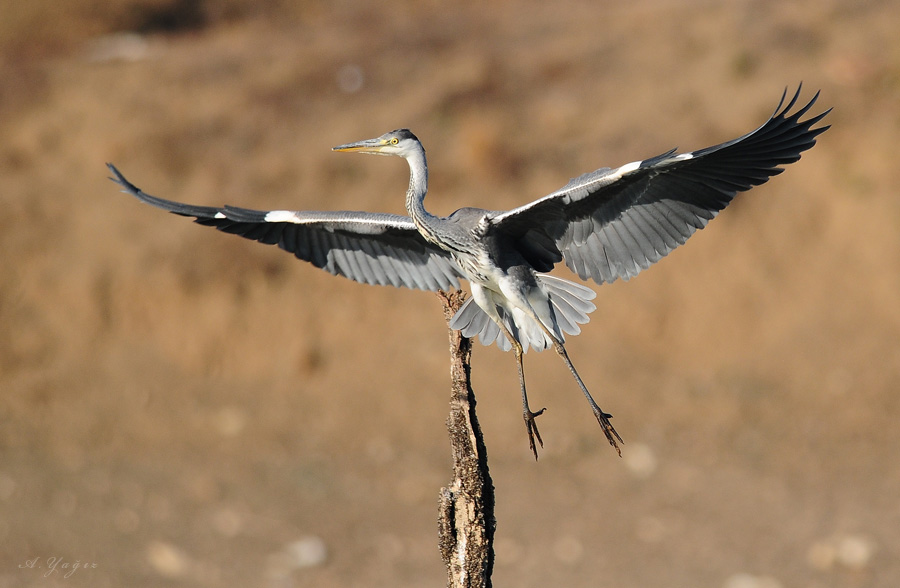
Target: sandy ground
<point>184,408</point>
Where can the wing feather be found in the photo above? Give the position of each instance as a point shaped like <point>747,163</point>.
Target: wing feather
<point>365,247</point>
<point>614,223</point>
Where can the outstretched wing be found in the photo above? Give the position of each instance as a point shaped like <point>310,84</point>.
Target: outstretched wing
<point>384,249</point>
<point>613,223</point>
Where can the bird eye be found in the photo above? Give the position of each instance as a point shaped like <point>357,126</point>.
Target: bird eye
<point>394,140</point>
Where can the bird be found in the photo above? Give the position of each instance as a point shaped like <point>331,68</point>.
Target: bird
<point>604,225</point>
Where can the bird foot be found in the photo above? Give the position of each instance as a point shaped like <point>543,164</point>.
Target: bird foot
<point>531,427</point>
<point>608,429</point>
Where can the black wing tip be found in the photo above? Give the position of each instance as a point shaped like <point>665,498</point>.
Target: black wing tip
<point>178,208</point>
<point>786,126</point>
<point>129,188</point>
<point>782,113</point>
<point>202,214</point>
<point>118,178</point>
<point>779,111</point>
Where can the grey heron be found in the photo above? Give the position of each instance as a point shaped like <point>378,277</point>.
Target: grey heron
<point>606,224</point>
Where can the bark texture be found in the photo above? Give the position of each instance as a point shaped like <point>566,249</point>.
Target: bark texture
<point>466,521</point>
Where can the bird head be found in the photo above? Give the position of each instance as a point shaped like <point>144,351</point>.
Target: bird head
<point>400,142</point>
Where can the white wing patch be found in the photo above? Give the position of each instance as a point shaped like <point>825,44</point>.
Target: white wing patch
<point>628,168</point>
<point>281,216</point>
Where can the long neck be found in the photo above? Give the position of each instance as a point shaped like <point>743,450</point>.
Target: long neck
<point>415,194</point>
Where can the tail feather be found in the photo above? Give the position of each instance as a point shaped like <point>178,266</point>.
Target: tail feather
<point>570,303</point>
<point>472,321</point>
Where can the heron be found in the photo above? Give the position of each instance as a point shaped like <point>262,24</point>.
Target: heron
<point>604,225</point>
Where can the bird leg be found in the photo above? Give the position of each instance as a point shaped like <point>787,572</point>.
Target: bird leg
<point>530,423</point>
<point>527,414</point>
<point>602,417</point>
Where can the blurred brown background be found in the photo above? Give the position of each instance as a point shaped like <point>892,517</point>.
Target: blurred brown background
<point>186,408</point>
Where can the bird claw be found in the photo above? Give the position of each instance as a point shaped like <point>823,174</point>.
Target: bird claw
<point>531,427</point>
<point>609,430</point>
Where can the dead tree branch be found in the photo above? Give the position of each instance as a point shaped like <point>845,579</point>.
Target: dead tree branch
<point>466,520</point>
